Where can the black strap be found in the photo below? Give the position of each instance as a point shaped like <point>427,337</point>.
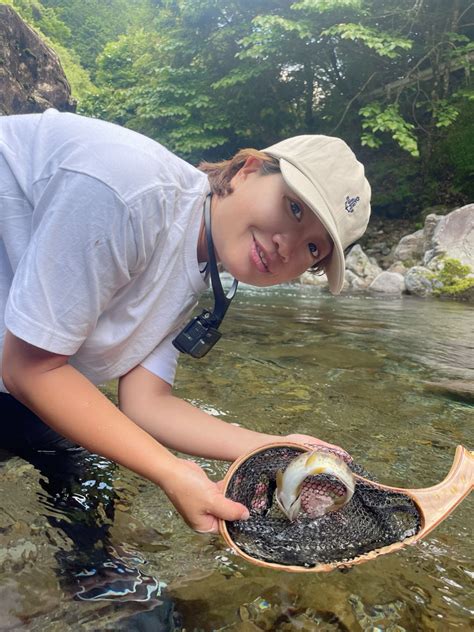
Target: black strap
<point>221,300</point>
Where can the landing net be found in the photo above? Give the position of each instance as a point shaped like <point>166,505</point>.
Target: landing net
<point>372,519</point>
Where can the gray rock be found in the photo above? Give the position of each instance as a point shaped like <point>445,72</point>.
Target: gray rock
<point>431,222</point>
<point>410,247</point>
<point>418,282</point>
<point>453,236</point>
<point>388,283</point>
<point>354,282</point>
<point>310,278</point>
<point>360,264</point>
<point>461,389</point>
<point>398,267</point>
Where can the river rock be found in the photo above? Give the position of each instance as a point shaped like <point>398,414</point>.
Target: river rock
<point>431,222</point>
<point>398,267</point>
<point>388,283</point>
<point>453,237</point>
<point>313,278</point>
<point>418,282</point>
<point>410,247</point>
<point>353,283</point>
<point>360,264</point>
<point>31,77</point>
<point>460,389</point>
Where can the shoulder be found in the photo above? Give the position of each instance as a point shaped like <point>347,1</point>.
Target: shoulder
<point>127,162</point>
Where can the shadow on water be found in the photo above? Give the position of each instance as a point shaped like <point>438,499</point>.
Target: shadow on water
<point>356,371</point>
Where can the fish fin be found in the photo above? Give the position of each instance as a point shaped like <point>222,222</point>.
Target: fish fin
<point>294,509</point>
<point>281,505</point>
<point>312,459</point>
<point>279,479</point>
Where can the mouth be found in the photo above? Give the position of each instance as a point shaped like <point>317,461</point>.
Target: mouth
<point>259,257</point>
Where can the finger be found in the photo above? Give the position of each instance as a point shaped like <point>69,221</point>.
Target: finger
<point>226,509</point>
<point>208,525</point>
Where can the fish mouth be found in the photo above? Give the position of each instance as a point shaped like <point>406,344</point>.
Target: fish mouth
<point>260,256</point>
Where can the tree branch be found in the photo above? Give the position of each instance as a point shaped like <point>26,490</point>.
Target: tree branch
<point>352,101</point>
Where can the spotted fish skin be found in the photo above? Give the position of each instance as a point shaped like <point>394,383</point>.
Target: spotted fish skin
<point>290,482</point>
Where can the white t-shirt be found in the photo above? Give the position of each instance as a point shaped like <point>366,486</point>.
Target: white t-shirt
<point>98,242</point>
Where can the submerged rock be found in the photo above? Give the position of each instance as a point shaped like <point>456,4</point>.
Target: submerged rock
<point>461,389</point>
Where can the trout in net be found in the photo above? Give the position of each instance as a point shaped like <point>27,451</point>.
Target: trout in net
<point>334,524</point>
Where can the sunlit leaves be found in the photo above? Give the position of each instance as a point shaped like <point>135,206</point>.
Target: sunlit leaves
<point>266,36</point>
<point>384,44</point>
<point>324,6</point>
<point>378,120</point>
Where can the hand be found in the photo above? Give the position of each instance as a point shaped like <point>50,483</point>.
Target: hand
<point>309,441</point>
<point>200,501</point>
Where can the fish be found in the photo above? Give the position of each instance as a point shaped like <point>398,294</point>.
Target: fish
<point>289,483</point>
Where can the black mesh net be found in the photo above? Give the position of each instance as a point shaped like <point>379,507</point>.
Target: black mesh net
<point>373,518</point>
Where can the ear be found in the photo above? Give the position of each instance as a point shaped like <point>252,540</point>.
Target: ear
<point>251,165</point>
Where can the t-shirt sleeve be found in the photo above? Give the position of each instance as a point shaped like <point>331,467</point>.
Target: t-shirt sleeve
<point>82,251</point>
<point>163,360</point>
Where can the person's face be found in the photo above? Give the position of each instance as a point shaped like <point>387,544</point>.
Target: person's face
<point>263,235</point>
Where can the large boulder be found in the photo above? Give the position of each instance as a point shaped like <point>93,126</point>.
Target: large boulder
<point>31,77</point>
<point>410,247</point>
<point>453,237</point>
<point>431,222</point>
<point>388,283</point>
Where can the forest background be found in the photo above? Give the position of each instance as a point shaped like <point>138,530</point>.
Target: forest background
<point>207,77</point>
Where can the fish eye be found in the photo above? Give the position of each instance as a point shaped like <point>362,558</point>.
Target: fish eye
<point>296,209</point>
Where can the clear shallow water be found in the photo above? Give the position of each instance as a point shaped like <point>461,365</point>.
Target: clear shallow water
<point>353,371</point>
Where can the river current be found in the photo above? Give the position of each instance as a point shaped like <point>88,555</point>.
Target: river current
<point>360,372</point>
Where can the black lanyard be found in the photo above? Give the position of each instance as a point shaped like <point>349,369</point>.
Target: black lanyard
<point>201,333</point>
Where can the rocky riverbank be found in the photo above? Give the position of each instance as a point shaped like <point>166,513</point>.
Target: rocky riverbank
<point>435,260</point>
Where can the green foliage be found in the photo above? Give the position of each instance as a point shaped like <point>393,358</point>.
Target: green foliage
<point>384,44</point>
<point>452,279</point>
<point>444,113</point>
<point>92,24</point>
<point>206,77</point>
<point>388,120</point>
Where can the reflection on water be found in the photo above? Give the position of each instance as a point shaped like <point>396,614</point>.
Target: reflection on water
<point>354,371</point>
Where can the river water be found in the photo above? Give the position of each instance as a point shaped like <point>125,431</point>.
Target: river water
<point>355,371</point>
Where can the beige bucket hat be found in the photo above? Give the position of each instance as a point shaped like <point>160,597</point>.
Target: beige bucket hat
<point>325,174</point>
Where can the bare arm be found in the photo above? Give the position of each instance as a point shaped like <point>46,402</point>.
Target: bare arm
<point>148,400</point>
<point>75,408</point>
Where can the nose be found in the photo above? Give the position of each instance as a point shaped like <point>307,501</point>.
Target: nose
<point>285,245</point>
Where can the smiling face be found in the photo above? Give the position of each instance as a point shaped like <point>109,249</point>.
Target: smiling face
<point>263,235</point>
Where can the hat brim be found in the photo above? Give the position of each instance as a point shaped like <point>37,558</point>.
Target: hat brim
<point>309,194</point>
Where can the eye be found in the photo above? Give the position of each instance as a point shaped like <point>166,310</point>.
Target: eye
<point>313,250</point>
<point>296,210</point>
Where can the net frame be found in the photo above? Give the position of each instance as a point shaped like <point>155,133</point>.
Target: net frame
<point>434,503</point>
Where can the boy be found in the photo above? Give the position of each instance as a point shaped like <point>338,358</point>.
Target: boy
<point>102,257</point>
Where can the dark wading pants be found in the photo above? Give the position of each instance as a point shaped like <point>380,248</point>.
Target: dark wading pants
<point>79,486</point>
<point>76,482</point>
